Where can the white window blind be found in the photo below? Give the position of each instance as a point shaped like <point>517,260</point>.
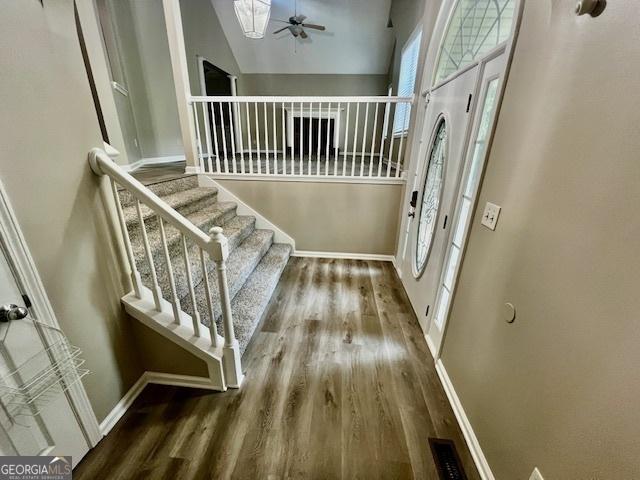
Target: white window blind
<point>406,82</point>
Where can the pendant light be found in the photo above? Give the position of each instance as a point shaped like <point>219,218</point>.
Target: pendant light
<point>253,16</point>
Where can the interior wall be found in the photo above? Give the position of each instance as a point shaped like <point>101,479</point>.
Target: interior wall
<point>203,35</point>
<point>144,49</point>
<point>328,217</point>
<point>47,127</point>
<point>558,388</point>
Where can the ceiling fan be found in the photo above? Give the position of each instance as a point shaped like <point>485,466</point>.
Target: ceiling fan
<point>296,26</point>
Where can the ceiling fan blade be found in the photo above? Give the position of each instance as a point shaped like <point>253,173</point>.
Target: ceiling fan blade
<point>280,30</point>
<point>303,34</point>
<point>300,18</point>
<point>315,27</point>
<point>293,31</point>
<point>278,20</point>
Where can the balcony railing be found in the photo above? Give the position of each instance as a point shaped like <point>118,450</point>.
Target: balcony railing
<point>318,137</point>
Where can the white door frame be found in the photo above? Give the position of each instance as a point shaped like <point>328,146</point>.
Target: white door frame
<point>507,48</point>
<point>15,245</point>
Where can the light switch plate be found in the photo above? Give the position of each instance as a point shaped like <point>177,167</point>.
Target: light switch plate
<point>536,475</point>
<point>490,215</point>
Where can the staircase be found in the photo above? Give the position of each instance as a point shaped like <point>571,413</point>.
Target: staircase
<point>201,275</point>
<point>254,264</point>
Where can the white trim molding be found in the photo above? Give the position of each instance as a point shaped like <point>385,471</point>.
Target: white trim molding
<point>310,178</point>
<point>465,425</point>
<point>343,255</point>
<point>132,167</point>
<point>137,388</point>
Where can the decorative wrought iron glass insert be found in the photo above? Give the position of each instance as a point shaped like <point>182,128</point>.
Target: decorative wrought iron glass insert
<point>431,194</point>
<point>475,28</point>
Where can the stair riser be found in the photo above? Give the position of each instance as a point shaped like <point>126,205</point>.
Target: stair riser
<point>235,285</point>
<point>162,188</point>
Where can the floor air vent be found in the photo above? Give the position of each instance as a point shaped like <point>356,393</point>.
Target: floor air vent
<point>447,460</point>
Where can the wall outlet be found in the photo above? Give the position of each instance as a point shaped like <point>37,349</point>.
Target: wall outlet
<point>490,215</point>
<point>536,475</point>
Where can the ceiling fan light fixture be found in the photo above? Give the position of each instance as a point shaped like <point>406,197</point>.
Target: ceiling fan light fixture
<point>253,16</point>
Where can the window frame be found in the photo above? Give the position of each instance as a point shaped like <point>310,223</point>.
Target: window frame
<point>416,34</point>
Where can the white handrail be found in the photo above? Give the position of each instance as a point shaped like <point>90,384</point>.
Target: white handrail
<point>101,164</point>
<point>304,99</point>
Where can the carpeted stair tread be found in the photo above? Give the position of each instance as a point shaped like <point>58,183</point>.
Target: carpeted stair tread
<point>162,188</point>
<point>240,263</point>
<point>219,214</point>
<point>185,202</point>
<point>251,301</point>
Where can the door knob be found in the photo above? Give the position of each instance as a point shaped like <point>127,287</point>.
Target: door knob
<point>11,311</point>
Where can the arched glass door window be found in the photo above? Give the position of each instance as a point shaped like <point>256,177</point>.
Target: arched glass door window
<point>431,194</point>
<point>475,28</point>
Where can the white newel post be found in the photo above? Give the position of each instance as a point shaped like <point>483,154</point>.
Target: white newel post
<point>231,350</point>
<point>180,72</point>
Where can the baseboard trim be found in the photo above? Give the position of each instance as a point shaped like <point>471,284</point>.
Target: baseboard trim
<point>132,167</point>
<point>137,388</point>
<point>395,265</point>
<point>122,406</point>
<point>467,430</point>
<point>343,255</point>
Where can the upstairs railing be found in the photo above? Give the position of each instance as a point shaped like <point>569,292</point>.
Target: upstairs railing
<point>212,246</point>
<point>321,137</point>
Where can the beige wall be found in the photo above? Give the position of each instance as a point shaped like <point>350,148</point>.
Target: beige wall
<point>203,35</point>
<point>559,388</point>
<point>47,126</point>
<point>330,217</point>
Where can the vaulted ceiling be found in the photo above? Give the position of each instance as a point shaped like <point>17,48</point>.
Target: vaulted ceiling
<point>356,41</point>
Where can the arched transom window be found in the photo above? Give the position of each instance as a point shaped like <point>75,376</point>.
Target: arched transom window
<point>475,28</point>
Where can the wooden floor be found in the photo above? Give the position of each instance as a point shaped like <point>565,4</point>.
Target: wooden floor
<point>339,384</point>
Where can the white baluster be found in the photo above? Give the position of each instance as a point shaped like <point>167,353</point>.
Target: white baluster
<point>155,288</point>
<point>405,129</point>
<point>301,138</point>
<point>266,137</point>
<point>275,140</point>
<point>284,141</point>
<point>318,139</point>
<point>231,351</point>
<point>207,134</point>
<point>346,142</point>
<point>337,129</point>
<point>310,137</point>
<point>175,302</point>
<point>224,136</point>
<point>364,138</point>
<point>215,135</point>
<point>383,134</point>
<point>373,139</point>
<point>192,294</point>
<point>326,153</point>
<point>255,108</point>
<point>207,291</point>
<point>237,110</point>
<point>199,141</point>
<point>250,140</point>
<point>232,122</point>
<point>391,143</point>
<point>135,275</point>
<point>355,141</point>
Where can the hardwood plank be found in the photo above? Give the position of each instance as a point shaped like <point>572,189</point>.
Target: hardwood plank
<point>339,384</point>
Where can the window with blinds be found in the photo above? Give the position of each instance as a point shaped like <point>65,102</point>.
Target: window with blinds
<point>407,82</point>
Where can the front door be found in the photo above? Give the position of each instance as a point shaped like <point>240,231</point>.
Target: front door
<point>36,367</point>
<point>443,141</point>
